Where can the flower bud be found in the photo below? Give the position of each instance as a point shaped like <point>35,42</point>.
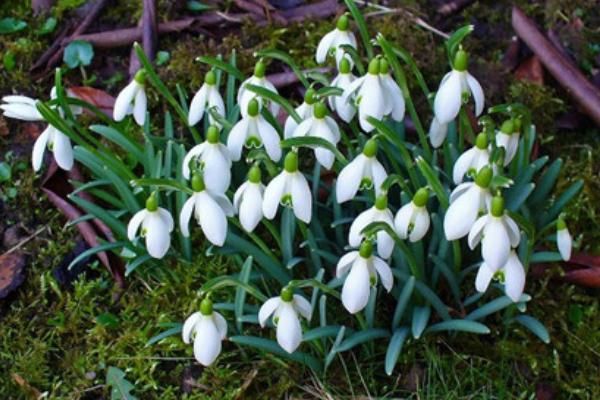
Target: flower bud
<point>374,66</point>
<point>342,23</point>
<point>484,177</point>
<point>198,183</point>
<point>481,141</point>
<point>309,96</point>
<point>320,110</point>
<point>290,163</point>
<point>420,198</point>
<point>345,66</point>
<point>206,307</point>
<point>254,174</point>
<point>210,78</point>
<point>152,203</point>
<point>384,66</point>
<point>287,294</point>
<point>140,76</point>
<point>497,206</point>
<point>507,127</point>
<point>381,202</point>
<point>259,69</point>
<point>370,149</point>
<point>366,249</point>
<point>461,60</point>
<point>212,134</point>
<point>253,108</point>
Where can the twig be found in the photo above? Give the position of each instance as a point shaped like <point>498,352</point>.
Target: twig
<point>27,239</point>
<point>453,7</point>
<point>149,36</point>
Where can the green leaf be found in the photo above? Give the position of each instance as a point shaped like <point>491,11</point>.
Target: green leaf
<point>321,332</point>
<point>162,183</point>
<point>562,201</point>
<point>420,318</point>
<point>312,141</point>
<point>545,257</point>
<point>240,293</point>
<point>403,300</point>
<point>5,172</point>
<point>362,26</point>
<point>11,25</point>
<point>494,306</point>
<point>534,326</point>
<point>271,346</point>
<point>48,27</point>
<point>120,139</point>
<point>108,320</point>
<point>96,250</point>
<point>281,56</point>
<point>8,60</point>
<point>120,387</point>
<point>162,57</point>
<point>546,183</point>
<point>394,349</point>
<point>220,64</point>
<point>453,43</point>
<point>362,337</point>
<point>226,281</point>
<point>434,182</point>
<point>175,330</point>
<point>459,325</point>
<point>274,97</point>
<point>78,53</point>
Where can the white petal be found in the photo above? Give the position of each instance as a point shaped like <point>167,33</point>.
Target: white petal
<point>514,277</point>
<point>140,107</point>
<point>460,190</point>
<point>396,96</point>
<point>477,93</point>
<point>289,332</point>
<point>403,219</point>
<point>348,181</point>
<point>212,219</point>
<point>188,327</point>
<point>290,126</point>
<point>385,244</point>
<point>220,323</point>
<point>251,207</point>
<point>304,128</point>
<point>495,246</point>
<point>23,111</point>
<point>324,46</point>
<point>303,306</point>
<point>513,231</point>
<point>198,106</point>
<point>273,194</point>
<point>461,214</point>
<point>564,243</point>
<point>476,232</point>
<point>217,173</point>
<point>62,149</point>
<point>350,90</point>
<point>437,132</point>
<point>421,224</point>
<point>224,203</point>
<point>195,152</point>
<point>345,263</point>
<point>39,147</point>
<point>448,99</point>
<point>158,239</point>
<point>484,277</point>
<point>185,215</point>
<point>378,174</point>
<point>167,218</point>
<point>237,138</point>
<point>135,222</point>
<point>238,195</point>
<point>301,197</point>
<point>267,309</point>
<point>385,273</point>
<point>356,289</point>
<point>270,139</point>
<point>216,101</point>
<point>207,343</point>
<point>123,100</point>
<point>372,103</point>
<point>365,218</point>
<point>462,165</point>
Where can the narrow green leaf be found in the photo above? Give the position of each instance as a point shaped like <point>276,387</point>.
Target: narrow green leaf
<point>362,337</point>
<point>420,318</point>
<point>459,325</point>
<point>394,349</point>
<point>271,346</point>
<point>176,330</point>
<point>534,326</point>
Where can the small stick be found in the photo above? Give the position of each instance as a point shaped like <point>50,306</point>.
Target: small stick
<point>453,7</point>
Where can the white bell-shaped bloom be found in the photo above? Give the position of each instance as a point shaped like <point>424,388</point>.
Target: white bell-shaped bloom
<point>333,41</point>
<point>395,105</point>
<point>378,213</point>
<point>497,232</point>
<point>132,100</point>
<point>322,126</point>
<point>253,131</point>
<point>412,220</point>
<point>508,138</point>
<point>210,209</point>
<point>512,273</point>
<point>564,242</point>
<point>466,202</point>
<point>258,79</point>
<point>304,111</point>
<point>363,172</point>
<point>471,161</point>
<point>339,104</point>
<point>207,328</point>
<point>207,97</point>
<point>285,310</point>
<point>20,107</point>
<point>157,225</point>
<point>456,83</point>
<point>364,268</point>
<point>248,200</point>
<point>212,157</point>
<point>437,132</point>
<point>289,188</point>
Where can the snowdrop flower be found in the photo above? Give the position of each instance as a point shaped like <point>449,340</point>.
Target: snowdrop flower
<point>156,223</point>
<point>132,100</point>
<point>212,157</point>
<point>304,110</point>
<point>394,96</point>
<point>333,41</point>
<point>322,126</point>
<point>290,189</point>
<point>508,138</point>
<point>363,172</point>
<point>437,132</point>
<point>253,131</point>
<point>512,274</point>
<point>20,107</point>
<point>412,220</point>
<point>210,209</point>
<point>248,200</point>
<point>206,98</point>
<point>285,309</point>
<point>563,239</point>
<point>471,161</point>
<point>207,329</point>
<point>466,202</point>
<point>378,213</point>
<point>344,79</point>
<point>364,268</point>
<point>456,84</point>
<point>258,79</point>
<point>497,232</point>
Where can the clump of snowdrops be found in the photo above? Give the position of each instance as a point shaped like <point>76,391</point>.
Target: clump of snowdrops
<point>347,229</point>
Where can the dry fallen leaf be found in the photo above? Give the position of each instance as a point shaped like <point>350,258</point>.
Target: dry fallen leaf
<point>99,98</point>
<point>12,267</point>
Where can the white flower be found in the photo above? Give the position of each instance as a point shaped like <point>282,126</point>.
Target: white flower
<point>334,40</point>
<point>304,110</point>
<point>253,131</point>
<point>210,209</point>
<point>212,157</point>
<point>512,273</point>
<point>206,98</point>
<point>339,104</point>
<point>497,232</point>
<point>157,224</point>
<point>466,202</point>
<point>361,173</point>
<point>289,188</point>
<point>248,200</point>
<point>132,100</point>
<point>412,220</point>
<point>395,105</point>
<point>378,213</point>
<point>364,268</point>
<point>563,240</point>
<point>258,79</point>
<point>508,138</point>
<point>471,161</point>
<point>437,132</point>
<point>285,310</point>
<point>322,126</point>
<point>207,328</point>
<point>20,107</point>
<point>449,97</point>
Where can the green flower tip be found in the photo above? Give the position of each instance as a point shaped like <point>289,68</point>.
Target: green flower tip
<point>254,174</point>
<point>197,183</point>
<point>420,198</point>
<point>508,127</point>
<point>212,134</point>
<point>370,149</point>
<point>381,202</point>
<point>290,163</point>
<point>498,206</point>
<point>206,307</point>
<point>309,96</point>
<point>461,60</point>
<point>384,66</point>
<point>344,66</point>
<point>366,249</point>
<point>253,107</point>
<point>259,69</point>
<point>561,224</point>
<point>374,66</point>
<point>484,177</point>
<point>140,76</point>
<point>152,203</point>
<point>287,294</point>
<point>320,110</point>
<point>481,141</point>
<point>342,23</point>
<point>210,78</point>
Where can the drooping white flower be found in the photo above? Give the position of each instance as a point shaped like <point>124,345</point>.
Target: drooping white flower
<point>248,200</point>
<point>512,273</point>
<point>497,232</point>
<point>437,132</point>
<point>471,161</point>
<point>304,110</point>
<point>253,131</point>
<point>20,107</point>
<point>322,126</point>
<point>395,105</point>
<point>456,84</point>
<point>344,79</point>
<point>285,310</point>
<point>289,188</point>
<point>210,209</point>
<point>361,173</point>
<point>132,100</point>
<point>467,200</point>
<point>212,157</point>
<point>412,220</point>
<point>378,213</point>
<point>333,41</point>
<point>207,328</point>
<point>157,225</point>
<point>206,98</point>
<point>508,138</point>
<point>364,268</point>
<point>564,242</point>
<point>258,79</point>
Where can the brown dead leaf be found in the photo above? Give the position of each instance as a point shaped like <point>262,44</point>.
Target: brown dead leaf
<point>530,70</point>
<point>11,272</point>
<point>96,97</point>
